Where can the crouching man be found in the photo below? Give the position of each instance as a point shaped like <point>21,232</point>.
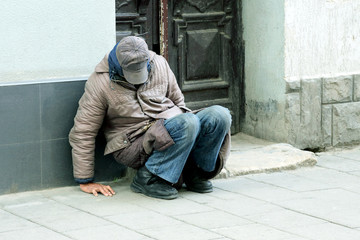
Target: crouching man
<point>134,94</point>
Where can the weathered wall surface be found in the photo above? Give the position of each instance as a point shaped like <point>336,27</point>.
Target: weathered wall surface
<point>302,65</point>
<point>54,39</point>
<point>322,38</point>
<point>263,35</point>
<point>322,62</point>
<point>323,112</point>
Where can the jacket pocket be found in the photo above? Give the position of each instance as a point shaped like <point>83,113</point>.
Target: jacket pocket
<point>157,137</point>
<point>119,142</point>
<point>133,155</point>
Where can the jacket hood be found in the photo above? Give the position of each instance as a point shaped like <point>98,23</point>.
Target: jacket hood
<point>103,66</point>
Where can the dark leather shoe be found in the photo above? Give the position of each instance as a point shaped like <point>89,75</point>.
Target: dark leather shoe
<point>194,178</point>
<point>151,185</point>
<point>198,184</point>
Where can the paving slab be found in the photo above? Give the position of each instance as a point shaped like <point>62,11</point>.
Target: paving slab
<point>288,181</point>
<point>355,173</point>
<point>333,178</point>
<point>106,232</point>
<point>292,201</point>
<point>333,205</point>
<point>38,233</point>
<point>327,231</point>
<point>144,219</point>
<point>255,231</point>
<point>331,162</point>
<point>285,219</point>
<point>213,219</point>
<point>11,222</point>
<point>349,152</point>
<point>257,190</point>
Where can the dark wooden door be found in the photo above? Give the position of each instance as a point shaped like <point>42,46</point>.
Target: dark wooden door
<point>202,52</point>
<point>138,18</point>
<point>201,39</point>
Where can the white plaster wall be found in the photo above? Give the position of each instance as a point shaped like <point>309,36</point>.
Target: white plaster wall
<point>322,38</point>
<point>289,40</point>
<point>42,39</point>
<point>263,23</point>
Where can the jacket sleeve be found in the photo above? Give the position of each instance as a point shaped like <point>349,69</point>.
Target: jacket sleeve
<point>87,122</point>
<point>174,93</point>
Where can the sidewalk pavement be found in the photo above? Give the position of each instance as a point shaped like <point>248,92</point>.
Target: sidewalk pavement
<point>256,200</point>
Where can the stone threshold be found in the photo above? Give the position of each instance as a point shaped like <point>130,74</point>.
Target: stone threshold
<point>250,155</point>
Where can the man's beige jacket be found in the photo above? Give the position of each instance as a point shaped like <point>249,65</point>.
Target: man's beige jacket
<point>124,113</point>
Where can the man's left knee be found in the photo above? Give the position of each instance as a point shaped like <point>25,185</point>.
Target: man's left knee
<point>220,115</point>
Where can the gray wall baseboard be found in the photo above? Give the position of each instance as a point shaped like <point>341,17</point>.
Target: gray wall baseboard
<point>35,120</point>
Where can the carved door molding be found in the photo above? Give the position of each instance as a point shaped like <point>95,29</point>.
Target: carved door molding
<point>201,39</point>
<point>201,51</point>
<point>138,18</point>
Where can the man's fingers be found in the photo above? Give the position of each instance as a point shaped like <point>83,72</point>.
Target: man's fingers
<point>95,188</point>
<point>110,189</point>
<point>94,191</point>
<point>105,191</point>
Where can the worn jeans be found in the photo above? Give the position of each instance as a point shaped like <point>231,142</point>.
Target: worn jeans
<point>197,137</point>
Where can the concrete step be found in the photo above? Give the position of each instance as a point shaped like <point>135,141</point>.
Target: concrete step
<point>252,155</point>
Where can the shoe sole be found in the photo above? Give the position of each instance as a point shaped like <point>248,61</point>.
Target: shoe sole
<point>137,188</point>
<point>199,190</point>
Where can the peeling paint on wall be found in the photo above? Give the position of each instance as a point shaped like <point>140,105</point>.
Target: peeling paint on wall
<point>164,29</point>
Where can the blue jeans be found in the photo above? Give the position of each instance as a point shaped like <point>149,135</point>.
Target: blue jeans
<point>197,136</point>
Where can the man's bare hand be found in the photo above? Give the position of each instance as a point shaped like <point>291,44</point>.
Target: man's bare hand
<point>94,188</point>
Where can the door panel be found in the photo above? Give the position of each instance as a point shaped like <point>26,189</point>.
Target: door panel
<point>201,42</point>
<point>201,53</point>
<point>138,18</point>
